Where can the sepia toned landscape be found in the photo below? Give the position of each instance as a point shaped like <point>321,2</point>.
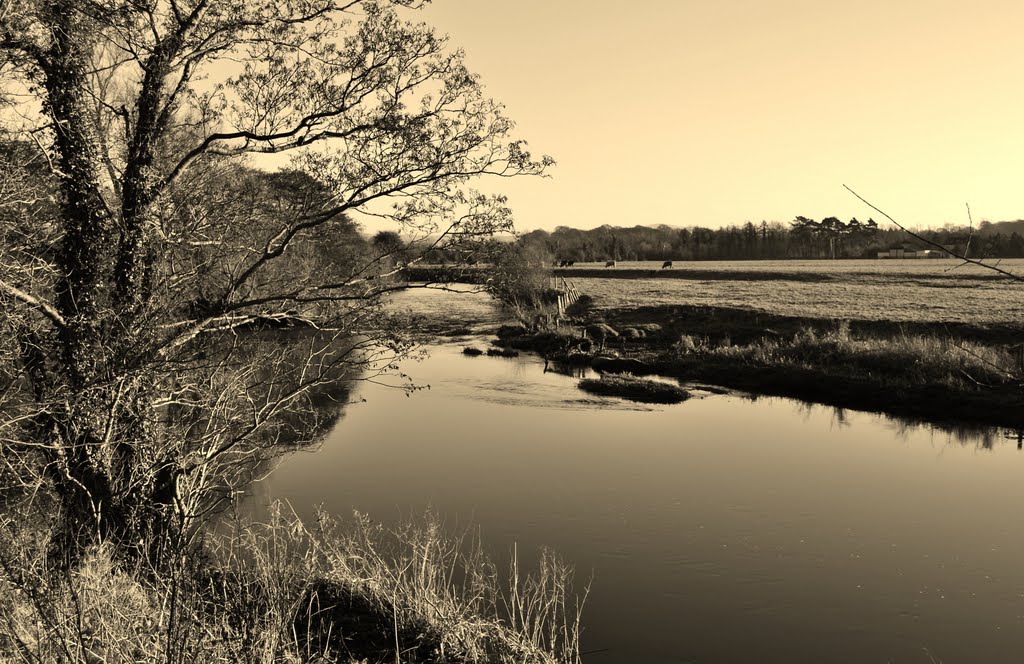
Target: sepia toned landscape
<point>409,331</point>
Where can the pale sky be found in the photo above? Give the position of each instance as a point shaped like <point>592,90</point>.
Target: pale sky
<point>722,111</point>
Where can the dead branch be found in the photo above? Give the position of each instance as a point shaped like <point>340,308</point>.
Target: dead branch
<point>917,236</point>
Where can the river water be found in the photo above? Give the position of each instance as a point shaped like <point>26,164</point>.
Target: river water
<point>722,529</point>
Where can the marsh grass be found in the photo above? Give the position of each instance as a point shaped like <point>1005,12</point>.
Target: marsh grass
<point>280,591</point>
<point>908,358</point>
<point>449,586</point>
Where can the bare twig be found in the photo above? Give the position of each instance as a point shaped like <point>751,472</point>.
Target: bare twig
<point>917,236</point>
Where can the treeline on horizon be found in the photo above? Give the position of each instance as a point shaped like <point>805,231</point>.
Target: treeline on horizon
<point>803,238</point>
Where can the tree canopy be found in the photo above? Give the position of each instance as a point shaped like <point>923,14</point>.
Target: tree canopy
<point>136,239</point>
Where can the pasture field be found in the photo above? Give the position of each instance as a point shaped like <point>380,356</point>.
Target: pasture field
<point>932,291</point>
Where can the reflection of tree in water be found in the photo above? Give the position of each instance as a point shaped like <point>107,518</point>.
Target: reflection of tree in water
<point>278,390</point>
<point>1015,435</point>
<point>572,370</point>
<point>963,433</point>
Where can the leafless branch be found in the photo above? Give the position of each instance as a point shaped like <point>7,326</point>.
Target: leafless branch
<point>34,302</point>
<point>946,250</point>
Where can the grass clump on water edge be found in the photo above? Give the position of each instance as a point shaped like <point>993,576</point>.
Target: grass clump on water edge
<point>280,591</point>
<point>630,387</point>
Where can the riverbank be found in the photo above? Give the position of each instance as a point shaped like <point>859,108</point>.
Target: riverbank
<point>281,590</point>
<point>930,371</point>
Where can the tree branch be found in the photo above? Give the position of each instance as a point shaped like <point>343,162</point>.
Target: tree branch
<point>917,236</point>
<point>34,302</point>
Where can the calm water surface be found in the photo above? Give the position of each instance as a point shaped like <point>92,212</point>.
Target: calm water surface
<point>722,529</point>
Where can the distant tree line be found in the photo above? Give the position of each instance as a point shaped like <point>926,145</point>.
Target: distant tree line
<point>803,238</point>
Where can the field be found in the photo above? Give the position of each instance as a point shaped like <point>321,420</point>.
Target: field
<point>933,290</point>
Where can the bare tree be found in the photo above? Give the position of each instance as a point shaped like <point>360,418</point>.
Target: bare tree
<point>134,266</point>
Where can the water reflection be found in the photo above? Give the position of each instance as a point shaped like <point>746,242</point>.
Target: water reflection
<point>578,370</point>
<point>964,433</point>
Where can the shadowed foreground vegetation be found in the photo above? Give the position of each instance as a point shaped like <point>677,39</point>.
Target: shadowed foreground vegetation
<point>283,592</point>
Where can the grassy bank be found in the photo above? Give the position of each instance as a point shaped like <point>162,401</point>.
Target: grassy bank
<point>932,372</point>
<point>923,377</point>
<point>284,592</point>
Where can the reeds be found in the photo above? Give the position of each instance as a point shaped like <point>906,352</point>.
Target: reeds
<point>279,591</point>
<point>908,358</point>
<point>449,588</point>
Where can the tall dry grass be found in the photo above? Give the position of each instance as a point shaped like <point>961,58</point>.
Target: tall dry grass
<point>906,358</point>
<point>279,591</point>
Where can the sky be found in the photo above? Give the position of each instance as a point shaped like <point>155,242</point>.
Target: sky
<point>720,112</point>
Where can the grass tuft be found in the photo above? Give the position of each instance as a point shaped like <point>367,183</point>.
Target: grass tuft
<point>630,387</point>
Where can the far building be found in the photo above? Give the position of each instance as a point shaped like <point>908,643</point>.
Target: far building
<point>909,251</point>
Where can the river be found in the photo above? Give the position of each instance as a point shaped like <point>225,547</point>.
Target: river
<point>722,529</point>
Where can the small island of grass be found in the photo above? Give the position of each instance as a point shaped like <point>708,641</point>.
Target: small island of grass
<point>635,389</point>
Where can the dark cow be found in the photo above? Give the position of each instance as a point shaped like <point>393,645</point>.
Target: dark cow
<point>666,264</point>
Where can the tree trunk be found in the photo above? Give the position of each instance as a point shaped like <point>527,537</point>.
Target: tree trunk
<point>102,455</point>
<point>86,219</point>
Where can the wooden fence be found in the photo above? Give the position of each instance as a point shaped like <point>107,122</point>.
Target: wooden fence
<point>567,293</point>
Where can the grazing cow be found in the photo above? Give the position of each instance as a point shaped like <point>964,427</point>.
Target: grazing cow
<point>610,264</point>
<point>666,264</point>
